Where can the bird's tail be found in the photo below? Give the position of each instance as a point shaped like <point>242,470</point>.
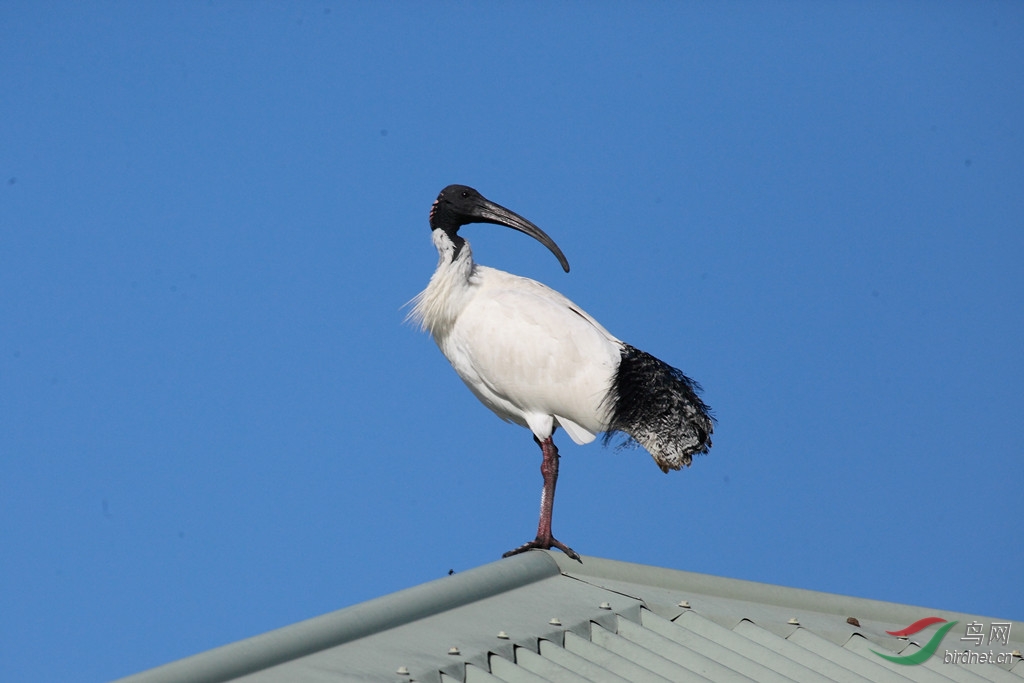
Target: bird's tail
<point>658,407</point>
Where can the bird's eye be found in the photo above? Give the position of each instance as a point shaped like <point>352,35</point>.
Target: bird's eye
<point>464,194</point>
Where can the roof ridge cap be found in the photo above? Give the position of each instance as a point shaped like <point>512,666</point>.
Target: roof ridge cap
<point>354,622</point>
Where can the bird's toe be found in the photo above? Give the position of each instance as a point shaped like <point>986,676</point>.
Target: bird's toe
<point>545,544</point>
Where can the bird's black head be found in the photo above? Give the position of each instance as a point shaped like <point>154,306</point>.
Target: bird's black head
<point>458,205</point>
<point>454,207</point>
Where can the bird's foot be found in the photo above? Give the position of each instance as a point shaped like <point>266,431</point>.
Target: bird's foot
<point>545,544</point>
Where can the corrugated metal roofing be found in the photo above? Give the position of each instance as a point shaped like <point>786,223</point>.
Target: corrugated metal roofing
<point>541,617</point>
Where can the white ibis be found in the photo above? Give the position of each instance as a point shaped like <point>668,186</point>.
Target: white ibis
<point>537,359</point>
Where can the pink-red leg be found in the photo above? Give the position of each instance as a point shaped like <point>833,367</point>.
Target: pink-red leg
<point>549,470</point>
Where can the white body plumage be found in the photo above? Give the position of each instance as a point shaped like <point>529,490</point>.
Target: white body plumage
<point>526,351</point>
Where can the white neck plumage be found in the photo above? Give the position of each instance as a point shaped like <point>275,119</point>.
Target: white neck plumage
<point>451,286</point>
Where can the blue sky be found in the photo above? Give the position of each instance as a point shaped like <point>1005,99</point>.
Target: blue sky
<point>213,421</point>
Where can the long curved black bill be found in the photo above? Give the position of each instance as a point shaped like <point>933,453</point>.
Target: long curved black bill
<point>489,212</point>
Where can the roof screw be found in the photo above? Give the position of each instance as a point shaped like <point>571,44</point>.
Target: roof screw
<point>502,635</point>
<point>685,604</point>
<point>402,671</point>
<point>453,650</point>
<point>605,605</point>
<point>1016,653</point>
<point>555,622</point>
<point>793,621</point>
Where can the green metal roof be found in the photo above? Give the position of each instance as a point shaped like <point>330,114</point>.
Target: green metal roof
<point>542,617</point>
